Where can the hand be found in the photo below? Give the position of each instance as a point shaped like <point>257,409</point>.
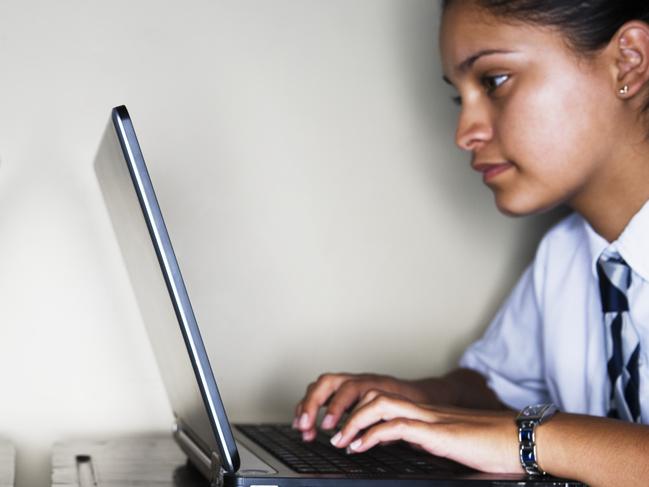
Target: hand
<point>484,440</point>
<point>340,392</point>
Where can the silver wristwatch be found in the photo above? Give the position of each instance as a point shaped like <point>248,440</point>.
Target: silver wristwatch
<point>527,421</point>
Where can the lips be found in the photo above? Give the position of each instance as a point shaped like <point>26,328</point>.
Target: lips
<point>490,170</point>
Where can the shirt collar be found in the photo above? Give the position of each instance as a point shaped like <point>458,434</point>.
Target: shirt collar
<point>632,244</point>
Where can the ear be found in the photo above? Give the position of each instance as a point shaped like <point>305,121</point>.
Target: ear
<point>630,48</point>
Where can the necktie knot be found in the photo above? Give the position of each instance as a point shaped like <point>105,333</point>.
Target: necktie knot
<point>614,281</point>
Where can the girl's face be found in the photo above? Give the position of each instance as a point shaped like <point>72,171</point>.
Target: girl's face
<point>540,122</point>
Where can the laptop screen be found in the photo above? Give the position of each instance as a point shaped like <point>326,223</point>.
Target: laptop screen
<point>160,291</point>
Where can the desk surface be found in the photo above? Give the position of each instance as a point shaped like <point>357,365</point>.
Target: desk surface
<point>151,460</point>
<point>7,462</point>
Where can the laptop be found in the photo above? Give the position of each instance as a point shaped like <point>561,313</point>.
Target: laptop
<point>232,454</point>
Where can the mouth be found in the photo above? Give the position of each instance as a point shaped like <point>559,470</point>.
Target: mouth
<point>491,170</point>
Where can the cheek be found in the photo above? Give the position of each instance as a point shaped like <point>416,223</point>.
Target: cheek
<point>552,132</point>
<point>553,136</point>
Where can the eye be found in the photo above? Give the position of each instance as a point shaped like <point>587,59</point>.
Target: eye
<point>491,83</point>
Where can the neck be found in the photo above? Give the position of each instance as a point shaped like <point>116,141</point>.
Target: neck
<point>617,194</point>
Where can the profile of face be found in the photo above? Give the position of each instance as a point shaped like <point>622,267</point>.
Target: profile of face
<point>540,121</point>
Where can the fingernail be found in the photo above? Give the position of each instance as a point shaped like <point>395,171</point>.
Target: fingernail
<point>328,422</point>
<point>294,424</point>
<point>355,445</point>
<point>304,420</point>
<point>336,438</point>
<point>308,436</point>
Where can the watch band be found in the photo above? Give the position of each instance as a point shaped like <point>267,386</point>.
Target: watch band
<point>527,420</point>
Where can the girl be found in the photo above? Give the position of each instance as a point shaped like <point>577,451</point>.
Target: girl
<point>554,98</point>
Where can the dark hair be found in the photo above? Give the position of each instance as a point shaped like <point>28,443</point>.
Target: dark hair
<point>588,25</point>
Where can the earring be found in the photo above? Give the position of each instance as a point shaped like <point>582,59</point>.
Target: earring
<point>624,90</point>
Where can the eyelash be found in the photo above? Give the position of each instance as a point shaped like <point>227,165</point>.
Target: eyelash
<point>484,81</point>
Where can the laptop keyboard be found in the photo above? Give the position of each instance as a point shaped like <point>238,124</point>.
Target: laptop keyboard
<point>319,456</point>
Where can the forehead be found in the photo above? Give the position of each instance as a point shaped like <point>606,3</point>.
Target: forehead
<point>467,29</point>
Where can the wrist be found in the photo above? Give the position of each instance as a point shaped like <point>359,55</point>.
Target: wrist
<point>529,421</point>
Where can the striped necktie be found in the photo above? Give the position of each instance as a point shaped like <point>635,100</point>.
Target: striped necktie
<point>622,342</point>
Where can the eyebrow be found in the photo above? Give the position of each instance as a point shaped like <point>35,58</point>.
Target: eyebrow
<point>465,65</point>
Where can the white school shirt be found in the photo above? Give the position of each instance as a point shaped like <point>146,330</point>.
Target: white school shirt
<point>547,343</point>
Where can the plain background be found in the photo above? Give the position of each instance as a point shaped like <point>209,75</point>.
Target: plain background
<point>303,155</point>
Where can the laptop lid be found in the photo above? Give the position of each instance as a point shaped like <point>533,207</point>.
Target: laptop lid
<point>160,291</point>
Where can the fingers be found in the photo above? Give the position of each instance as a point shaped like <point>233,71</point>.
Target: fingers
<point>373,394</point>
<point>368,397</point>
<point>376,407</point>
<point>345,397</point>
<point>339,392</point>
<point>318,393</point>
<point>419,433</point>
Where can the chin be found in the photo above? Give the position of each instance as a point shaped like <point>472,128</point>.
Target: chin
<point>516,207</point>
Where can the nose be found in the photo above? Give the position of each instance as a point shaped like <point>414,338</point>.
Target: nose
<point>474,128</point>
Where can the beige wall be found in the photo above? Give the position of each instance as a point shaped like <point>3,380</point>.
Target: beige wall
<point>302,152</point>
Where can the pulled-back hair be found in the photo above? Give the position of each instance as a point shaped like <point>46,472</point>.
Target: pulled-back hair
<point>587,25</point>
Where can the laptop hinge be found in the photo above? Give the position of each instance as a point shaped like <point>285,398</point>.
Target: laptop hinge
<point>216,475</point>
<point>210,467</point>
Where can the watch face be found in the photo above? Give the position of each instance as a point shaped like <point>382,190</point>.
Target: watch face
<point>537,412</point>
<point>533,411</point>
